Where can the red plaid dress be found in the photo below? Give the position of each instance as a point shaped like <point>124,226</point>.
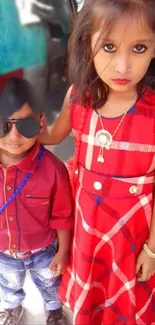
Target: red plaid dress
<point>113,214</point>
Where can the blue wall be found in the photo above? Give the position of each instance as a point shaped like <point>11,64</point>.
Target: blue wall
<point>20,47</point>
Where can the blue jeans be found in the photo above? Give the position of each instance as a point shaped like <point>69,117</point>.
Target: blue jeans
<point>12,276</point>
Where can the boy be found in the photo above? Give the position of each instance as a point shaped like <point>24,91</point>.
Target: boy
<point>35,207</point>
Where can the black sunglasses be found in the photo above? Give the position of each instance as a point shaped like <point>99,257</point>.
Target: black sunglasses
<point>27,127</point>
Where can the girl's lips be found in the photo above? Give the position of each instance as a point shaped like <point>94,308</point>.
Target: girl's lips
<point>121,81</point>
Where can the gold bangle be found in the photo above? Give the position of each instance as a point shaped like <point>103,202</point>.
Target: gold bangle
<point>147,251</point>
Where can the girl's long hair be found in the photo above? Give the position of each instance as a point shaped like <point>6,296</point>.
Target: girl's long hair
<point>81,70</point>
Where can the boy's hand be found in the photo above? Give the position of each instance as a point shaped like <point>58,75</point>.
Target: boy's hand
<point>59,263</point>
<point>145,267</point>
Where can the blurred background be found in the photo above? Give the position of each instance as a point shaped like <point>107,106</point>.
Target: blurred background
<point>33,45</point>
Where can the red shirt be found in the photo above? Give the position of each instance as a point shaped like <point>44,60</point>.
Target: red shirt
<point>43,205</point>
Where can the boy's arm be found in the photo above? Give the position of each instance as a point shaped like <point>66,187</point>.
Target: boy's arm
<point>62,220</point>
<point>64,238</point>
<point>62,201</point>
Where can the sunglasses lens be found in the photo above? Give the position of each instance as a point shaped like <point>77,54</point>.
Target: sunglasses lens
<point>1,128</point>
<point>28,127</point>
<point>5,127</point>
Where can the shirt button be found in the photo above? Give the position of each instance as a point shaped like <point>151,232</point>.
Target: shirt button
<point>8,188</point>
<point>133,189</point>
<point>11,219</point>
<point>13,246</point>
<point>97,186</point>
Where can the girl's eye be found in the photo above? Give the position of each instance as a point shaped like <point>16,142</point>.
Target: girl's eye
<point>140,48</point>
<point>109,48</point>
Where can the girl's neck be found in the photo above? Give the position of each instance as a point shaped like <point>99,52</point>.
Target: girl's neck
<point>118,103</point>
<point>126,95</point>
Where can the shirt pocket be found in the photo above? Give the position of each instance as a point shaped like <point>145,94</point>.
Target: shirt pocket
<point>37,201</point>
<point>39,208</point>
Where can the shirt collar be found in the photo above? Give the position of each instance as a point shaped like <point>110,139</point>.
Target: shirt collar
<point>28,163</point>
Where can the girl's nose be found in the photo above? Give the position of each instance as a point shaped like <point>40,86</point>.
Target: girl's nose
<point>122,64</point>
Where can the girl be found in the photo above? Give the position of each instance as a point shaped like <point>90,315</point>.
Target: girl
<point>111,111</point>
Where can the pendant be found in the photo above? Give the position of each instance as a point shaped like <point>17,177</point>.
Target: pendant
<point>100,159</point>
<point>104,139</point>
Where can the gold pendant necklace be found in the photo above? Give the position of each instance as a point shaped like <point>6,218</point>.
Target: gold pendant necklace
<point>104,138</point>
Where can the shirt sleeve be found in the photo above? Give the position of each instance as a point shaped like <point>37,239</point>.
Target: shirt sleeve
<point>62,202</point>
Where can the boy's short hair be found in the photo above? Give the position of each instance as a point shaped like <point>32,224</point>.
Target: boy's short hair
<point>16,93</point>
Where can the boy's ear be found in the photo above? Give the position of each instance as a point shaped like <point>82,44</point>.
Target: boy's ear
<point>43,123</point>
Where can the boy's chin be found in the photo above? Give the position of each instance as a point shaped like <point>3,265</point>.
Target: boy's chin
<point>17,150</point>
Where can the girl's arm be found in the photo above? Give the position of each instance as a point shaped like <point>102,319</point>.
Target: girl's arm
<point>58,131</point>
<point>145,267</point>
<point>151,239</point>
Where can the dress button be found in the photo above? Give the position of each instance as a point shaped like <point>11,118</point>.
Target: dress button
<point>13,246</point>
<point>11,219</point>
<point>97,186</point>
<point>8,188</point>
<point>133,189</point>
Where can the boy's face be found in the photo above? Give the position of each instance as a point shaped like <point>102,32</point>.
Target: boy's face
<point>14,143</point>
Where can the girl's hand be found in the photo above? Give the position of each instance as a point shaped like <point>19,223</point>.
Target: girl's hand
<point>145,267</point>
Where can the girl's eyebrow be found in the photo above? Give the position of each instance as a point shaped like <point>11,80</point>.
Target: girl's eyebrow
<point>148,40</point>
<point>108,40</point>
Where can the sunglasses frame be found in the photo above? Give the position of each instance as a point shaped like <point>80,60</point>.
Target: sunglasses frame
<point>15,121</point>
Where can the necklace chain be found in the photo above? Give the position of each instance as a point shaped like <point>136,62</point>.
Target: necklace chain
<point>104,138</point>
<point>118,126</point>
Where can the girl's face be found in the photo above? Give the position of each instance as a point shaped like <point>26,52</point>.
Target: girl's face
<point>125,55</point>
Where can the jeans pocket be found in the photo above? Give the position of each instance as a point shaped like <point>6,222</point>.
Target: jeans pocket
<point>44,258</point>
<point>55,245</point>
